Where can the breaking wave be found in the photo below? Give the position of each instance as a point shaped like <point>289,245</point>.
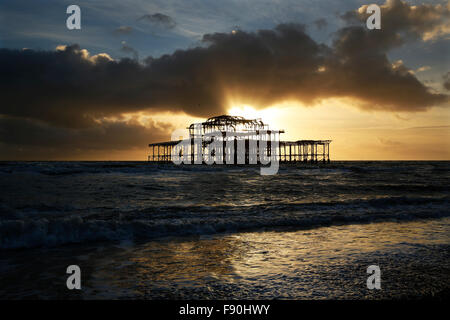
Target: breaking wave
<point>149,223</point>
<point>57,203</point>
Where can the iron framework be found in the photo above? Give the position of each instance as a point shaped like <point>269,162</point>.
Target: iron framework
<point>233,129</point>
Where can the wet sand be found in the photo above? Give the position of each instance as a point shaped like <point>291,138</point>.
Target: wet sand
<point>319,263</point>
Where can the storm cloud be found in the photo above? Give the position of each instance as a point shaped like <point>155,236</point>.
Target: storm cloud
<point>402,22</point>
<point>35,140</point>
<point>68,87</point>
<point>64,96</point>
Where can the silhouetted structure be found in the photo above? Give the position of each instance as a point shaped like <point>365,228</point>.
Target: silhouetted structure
<point>251,137</point>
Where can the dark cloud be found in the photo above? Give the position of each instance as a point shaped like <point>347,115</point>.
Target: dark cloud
<point>69,88</point>
<point>401,22</point>
<point>381,84</point>
<point>320,23</point>
<point>446,83</point>
<point>33,140</point>
<point>123,30</point>
<point>159,20</point>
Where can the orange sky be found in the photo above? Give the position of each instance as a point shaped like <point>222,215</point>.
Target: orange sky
<point>356,134</point>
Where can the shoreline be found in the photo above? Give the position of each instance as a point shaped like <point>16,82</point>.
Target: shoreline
<point>322,263</point>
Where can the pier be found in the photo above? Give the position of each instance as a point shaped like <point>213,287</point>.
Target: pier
<point>240,141</point>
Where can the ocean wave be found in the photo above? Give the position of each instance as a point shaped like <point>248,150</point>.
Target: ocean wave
<point>57,203</point>
<point>87,167</point>
<point>152,223</point>
<point>356,168</point>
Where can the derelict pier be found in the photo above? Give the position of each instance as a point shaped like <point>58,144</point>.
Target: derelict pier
<point>239,141</point>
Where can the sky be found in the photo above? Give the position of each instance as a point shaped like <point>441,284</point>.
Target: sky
<point>138,70</point>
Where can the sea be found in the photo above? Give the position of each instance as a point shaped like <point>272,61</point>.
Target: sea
<point>138,230</point>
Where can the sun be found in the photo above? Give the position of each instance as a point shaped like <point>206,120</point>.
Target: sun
<point>268,115</point>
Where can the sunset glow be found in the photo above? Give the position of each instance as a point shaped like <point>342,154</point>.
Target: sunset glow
<point>268,115</point>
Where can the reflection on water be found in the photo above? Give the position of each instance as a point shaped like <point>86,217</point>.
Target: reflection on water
<point>327,262</point>
<point>319,263</point>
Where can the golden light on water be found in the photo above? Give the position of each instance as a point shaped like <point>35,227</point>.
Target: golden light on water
<point>315,260</point>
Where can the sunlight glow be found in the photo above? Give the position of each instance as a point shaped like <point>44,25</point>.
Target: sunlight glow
<point>268,115</point>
